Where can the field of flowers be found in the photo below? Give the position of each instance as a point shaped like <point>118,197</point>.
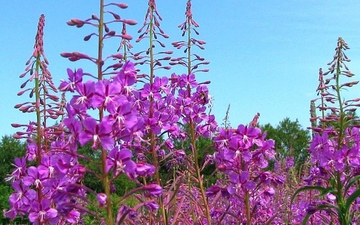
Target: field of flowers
<point>158,134</point>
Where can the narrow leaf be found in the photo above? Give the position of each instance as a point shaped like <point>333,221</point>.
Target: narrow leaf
<point>351,182</point>
<point>319,188</point>
<point>306,219</point>
<point>351,199</point>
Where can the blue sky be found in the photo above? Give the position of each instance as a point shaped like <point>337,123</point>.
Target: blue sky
<point>264,55</point>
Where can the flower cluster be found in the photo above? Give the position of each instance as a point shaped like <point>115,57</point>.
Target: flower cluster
<point>244,195</point>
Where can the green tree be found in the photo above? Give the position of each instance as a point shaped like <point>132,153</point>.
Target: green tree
<point>290,140</point>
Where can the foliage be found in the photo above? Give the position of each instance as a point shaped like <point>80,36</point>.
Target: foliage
<point>291,140</point>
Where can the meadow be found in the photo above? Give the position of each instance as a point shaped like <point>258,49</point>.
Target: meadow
<point>125,146</point>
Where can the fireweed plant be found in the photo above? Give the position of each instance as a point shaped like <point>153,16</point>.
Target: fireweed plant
<point>151,102</point>
<point>335,153</point>
<point>245,193</point>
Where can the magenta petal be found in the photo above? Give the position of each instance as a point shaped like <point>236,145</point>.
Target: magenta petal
<point>85,137</point>
<point>234,177</point>
<point>231,189</point>
<point>244,176</point>
<point>130,167</point>
<point>90,124</point>
<point>73,216</point>
<point>250,185</point>
<point>154,189</point>
<point>125,154</point>
<point>246,156</point>
<point>33,216</point>
<point>51,213</point>
<point>11,214</point>
<point>101,197</point>
<point>105,127</point>
<point>32,171</point>
<point>107,142</point>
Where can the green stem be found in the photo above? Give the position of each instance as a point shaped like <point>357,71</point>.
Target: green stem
<point>342,215</point>
<point>38,122</point>
<point>341,120</point>
<point>193,133</point>
<point>247,205</point>
<point>105,177</point>
<point>37,106</point>
<point>151,113</point>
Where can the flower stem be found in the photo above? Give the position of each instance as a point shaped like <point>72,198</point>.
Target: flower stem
<point>192,130</point>
<point>100,62</point>
<point>38,124</point>
<point>247,205</point>
<point>151,113</point>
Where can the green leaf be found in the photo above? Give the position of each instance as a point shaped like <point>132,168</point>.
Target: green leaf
<point>328,190</point>
<point>351,199</point>
<point>318,188</point>
<point>351,182</point>
<point>328,206</point>
<point>306,219</point>
<point>319,208</point>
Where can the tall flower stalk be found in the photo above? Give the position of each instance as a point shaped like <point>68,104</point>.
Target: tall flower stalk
<point>188,27</point>
<point>31,181</point>
<point>151,30</point>
<point>103,32</point>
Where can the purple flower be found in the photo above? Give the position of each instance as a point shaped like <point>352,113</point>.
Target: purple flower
<point>86,92</point>
<point>187,80</point>
<point>74,127</point>
<point>46,168</point>
<point>98,133</point>
<point>212,191</point>
<point>22,197</point>
<point>123,115</point>
<point>152,205</point>
<point>289,162</point>
<point>153,189</point>
<point>20,169</point>
<point>247,136</point>
<point>73,217</point>
<point>31,150</point>
<point>240,182</point>
<point>42,213</point>
<point>106,94</point>
<point>35,177</point>
<point>127,75</point>
<point>144,169</point>
<point>101,197</point>
<point>151,92</point>
<point>120,162</point>
<point>74,78</point>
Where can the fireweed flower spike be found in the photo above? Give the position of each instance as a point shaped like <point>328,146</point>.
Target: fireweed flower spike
<point>104,95</point>
<point>191,61</point>
<point>33,192</point>
<point>151,30</point>
<point>151,93</point>
<point>104,32</point>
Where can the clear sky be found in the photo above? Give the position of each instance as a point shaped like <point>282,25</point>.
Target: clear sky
<point>264,55</point>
